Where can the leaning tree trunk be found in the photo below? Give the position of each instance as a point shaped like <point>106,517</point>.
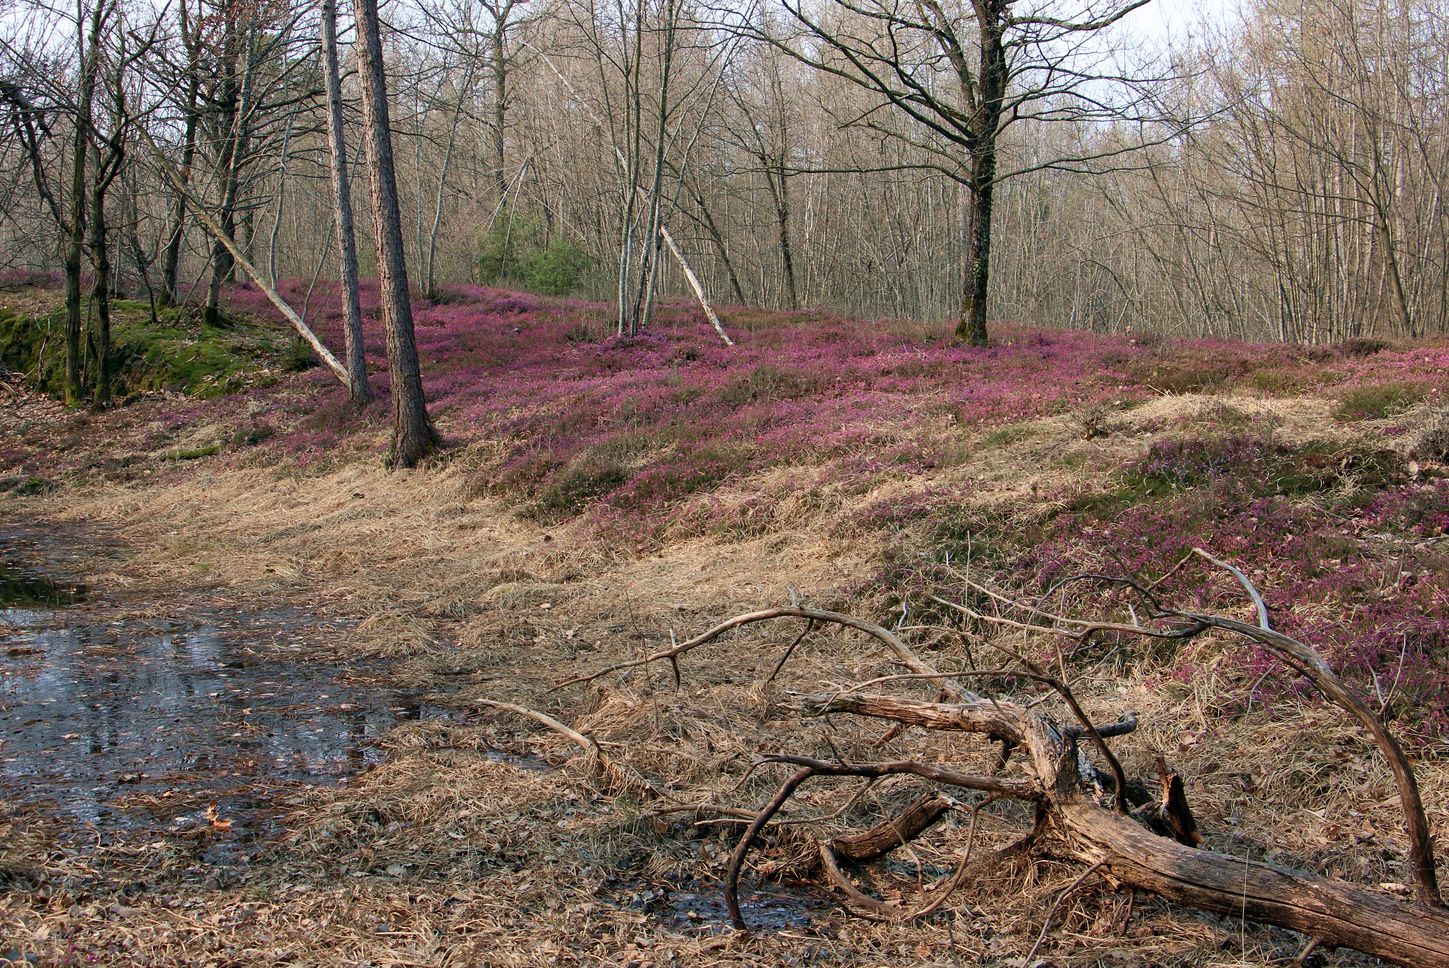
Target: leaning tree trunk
<point>358,390</point>
<point>413,435</point>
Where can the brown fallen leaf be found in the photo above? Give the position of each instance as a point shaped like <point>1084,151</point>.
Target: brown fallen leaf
<point>215,819</point>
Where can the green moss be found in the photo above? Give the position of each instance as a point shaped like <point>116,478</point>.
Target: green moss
<point>192,453</point>
<point>1379,401</point>
<point>34,346</point>
<point>175,352</point>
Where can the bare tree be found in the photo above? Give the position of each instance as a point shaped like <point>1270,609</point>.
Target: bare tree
<point>955,77</point>
<point>413,434</point>
<point>190,90</point>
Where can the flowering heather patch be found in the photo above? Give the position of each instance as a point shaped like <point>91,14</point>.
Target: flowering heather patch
<point>1330,558</point>
<point>1351,554</point>
<point>591,423</point>
<point>666,434</point>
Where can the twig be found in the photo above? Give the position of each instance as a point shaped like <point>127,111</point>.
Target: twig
<point>1046,925</point>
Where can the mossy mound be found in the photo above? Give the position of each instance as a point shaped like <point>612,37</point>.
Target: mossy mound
<point>174,352</point>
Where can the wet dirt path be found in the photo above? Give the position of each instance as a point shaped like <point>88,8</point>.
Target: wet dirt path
<point>127,717</point>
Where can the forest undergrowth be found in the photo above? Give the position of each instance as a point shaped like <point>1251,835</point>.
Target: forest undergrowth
<point>598,497</point>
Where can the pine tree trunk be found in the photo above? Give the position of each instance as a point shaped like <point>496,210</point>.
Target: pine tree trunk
<point>358,390</point>
<point>413,435</point>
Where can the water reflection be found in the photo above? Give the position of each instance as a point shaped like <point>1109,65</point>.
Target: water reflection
<point>132,724</point>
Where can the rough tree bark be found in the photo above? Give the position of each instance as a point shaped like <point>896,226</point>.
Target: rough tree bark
<point>413,435</point>
<point>233,114</point>
<point>171,260</point>
<point>983,128</point>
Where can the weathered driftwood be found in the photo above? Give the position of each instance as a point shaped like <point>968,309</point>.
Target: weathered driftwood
<point>1135,840</point>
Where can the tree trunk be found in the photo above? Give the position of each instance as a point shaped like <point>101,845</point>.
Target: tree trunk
<point>710,226</point>
<point>281,205</point>
<point>236,107</point>
<point>992,75</point>
<point>358,390</point>
<point>171,261</point>
<point>413,435</point>
<point>500,109</point>
<point>971,327</point>
<point>171,264</point>
<point>1331,910</point>
<point>100,287</point>
<point>779,189</point>
<point>76,242</point>
<point>462,93</point>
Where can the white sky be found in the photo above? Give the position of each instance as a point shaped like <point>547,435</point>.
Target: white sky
<point>1177,19</point>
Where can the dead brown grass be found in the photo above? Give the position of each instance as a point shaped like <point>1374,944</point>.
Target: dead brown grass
<point>459,851</point>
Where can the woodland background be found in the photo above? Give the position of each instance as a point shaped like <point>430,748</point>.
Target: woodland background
<point>1279,175</point>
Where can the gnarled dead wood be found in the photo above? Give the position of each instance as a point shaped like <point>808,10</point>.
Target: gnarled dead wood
<point>887,835</point>
<point>887,638</point>
<point>1297,655</point>
<point>1078,817</point>
<point>1334,911</point>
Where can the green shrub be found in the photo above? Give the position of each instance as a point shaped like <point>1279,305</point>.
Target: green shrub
<point>558,269</point>
<point>517,253</point>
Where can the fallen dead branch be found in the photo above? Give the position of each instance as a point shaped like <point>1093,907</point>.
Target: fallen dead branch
<point>617,777</point>
<point>1102,820</point>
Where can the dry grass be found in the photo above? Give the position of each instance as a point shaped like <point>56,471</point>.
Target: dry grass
<point>459,851</point>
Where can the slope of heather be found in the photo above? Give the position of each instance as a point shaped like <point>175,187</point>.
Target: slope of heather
<point>599,495</point>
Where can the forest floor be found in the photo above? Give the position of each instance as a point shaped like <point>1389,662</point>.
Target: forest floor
<point>599,498</point>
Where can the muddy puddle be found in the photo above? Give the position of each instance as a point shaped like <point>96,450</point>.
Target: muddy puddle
<point>700,908</point>
<point>182,719</point>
